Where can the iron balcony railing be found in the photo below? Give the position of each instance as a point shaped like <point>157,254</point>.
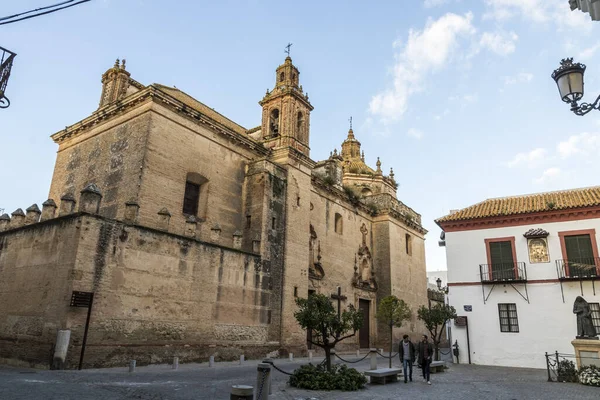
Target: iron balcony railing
<point>503,272</point>
<point>578,268</point>
<point>6,61</point>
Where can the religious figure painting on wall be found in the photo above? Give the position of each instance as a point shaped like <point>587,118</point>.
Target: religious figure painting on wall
<point>538,250</point>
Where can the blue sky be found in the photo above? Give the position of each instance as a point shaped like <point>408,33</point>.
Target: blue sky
<point>455,95</point>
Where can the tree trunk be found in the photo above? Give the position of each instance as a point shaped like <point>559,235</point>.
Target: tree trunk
<point>436,350</point>
<point>327,357</point>
<point>391,343</point>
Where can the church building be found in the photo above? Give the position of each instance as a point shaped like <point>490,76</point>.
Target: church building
<point>193,236</point>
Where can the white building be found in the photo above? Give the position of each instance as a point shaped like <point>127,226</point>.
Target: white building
<point>515,267</point>
<point>433,276</point>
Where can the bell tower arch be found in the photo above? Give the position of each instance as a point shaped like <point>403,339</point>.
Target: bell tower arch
<point>286,111</point>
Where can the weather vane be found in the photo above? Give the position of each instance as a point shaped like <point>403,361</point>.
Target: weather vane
<point>288,49</point>
<point>350,122</point>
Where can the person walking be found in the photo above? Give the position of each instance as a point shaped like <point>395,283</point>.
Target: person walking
<point>406,352</point>
<point>425,352</point>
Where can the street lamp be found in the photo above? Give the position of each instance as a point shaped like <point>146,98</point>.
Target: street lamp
<point>438,281</point>
<point>569,79</point>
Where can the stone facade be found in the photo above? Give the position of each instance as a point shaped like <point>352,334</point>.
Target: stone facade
<point>196,235</point>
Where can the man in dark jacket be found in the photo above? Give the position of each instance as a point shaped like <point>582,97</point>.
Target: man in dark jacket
<point>425,352</point>
<point>406,352</point>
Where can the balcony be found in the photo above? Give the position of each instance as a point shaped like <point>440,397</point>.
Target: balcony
<point>578,269</point>
<point>503,273</point>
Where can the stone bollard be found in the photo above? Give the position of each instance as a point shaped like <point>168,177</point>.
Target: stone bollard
<point>190,226</point>
<point>175,363</point>
<point>67,205</point>
<point>241,359</point>
<point>164,217</point>
<point>132,209</point>
<point>291,356</point>
<point>310,355</point>
<point>237,240</point>
<point>89,201</point>
<point>373,355</point>
<point>48,210</point>
<point>18,219</point>
<point>211,361</point>
<point>241,392</point>
<point>357,353</point>
<point>33,215</point>
<point>4,222</point>
<point>263,381</point>
<point>61,348</point>
<point>132,366</point>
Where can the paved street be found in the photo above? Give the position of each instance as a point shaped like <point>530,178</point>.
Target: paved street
<point>198,381</point>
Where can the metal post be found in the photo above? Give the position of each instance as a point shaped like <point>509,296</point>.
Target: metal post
<point>85,333</point>
<point>468,341</point>
<point>548,368</point>
<point>132,366</point>
<point>175,362</point>
<point>373,354</point>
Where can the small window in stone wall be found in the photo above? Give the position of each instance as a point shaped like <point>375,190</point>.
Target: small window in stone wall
<point>338,223</point>
<point>408,244</point>
<point>191,198</point>
<point>193,187</point>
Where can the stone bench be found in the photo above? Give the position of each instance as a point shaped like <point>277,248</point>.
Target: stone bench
<point>437,366</point>
<point>383,375</point>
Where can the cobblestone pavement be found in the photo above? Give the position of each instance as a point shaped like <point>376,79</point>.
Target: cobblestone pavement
<point>198,381</point>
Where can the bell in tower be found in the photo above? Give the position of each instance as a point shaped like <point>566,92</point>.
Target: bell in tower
<point>286,111</point>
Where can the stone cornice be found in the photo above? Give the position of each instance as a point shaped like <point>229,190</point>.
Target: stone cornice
<point>154,94</point>
<point>279,92</point>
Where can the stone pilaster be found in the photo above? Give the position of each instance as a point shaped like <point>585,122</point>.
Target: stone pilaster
<point>67,205</point>
<point>33,214</point>
<point>48,210</point>
<point>164,217</point>
<point>132,209</point>
<point>4,222</point>
<point>18,218</point>
<point>90,198</point>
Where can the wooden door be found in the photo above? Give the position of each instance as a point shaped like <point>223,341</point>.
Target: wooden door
<point>364,334</point>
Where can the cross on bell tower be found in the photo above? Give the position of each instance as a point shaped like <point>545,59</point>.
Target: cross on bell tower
<point>286,110</point>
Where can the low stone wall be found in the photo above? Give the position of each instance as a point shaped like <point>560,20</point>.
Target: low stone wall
<point>156,294</point>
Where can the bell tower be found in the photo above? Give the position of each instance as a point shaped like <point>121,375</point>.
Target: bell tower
<point>286,111</point>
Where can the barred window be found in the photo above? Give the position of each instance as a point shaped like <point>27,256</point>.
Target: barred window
<point>509,322</point>
<point>595,311</point>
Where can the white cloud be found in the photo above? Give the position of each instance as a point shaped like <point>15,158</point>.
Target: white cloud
<point>500,43</point>
<point>434,3</point>
<point>532,159</point>
<point>583,144</point>
<point>426,51</point>
<point>538,11</point>
<point>442,115</point>
<point>549,175</point>
<point>417,134</point>
<point>588,53</point>
<point>521,77</point>
<point>467,98</point>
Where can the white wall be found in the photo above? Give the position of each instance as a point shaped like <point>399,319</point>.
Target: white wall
<point>545,323</point>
